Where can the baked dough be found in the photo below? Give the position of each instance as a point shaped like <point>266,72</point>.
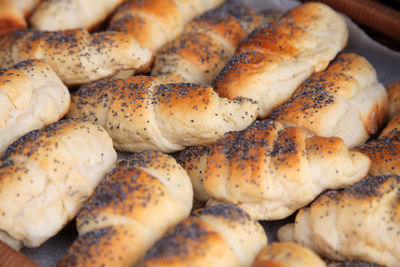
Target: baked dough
<point>223,235</point>
<point>271,171</point>
<point>359,223</point>
<point>346,101</point>
<point>46,175</point>
<point>55,15</point>
<point>394,98</point>
<point>130,210</point>
<point>206,44</point>
<point>286,254</point>
<point>141,113</point>
<point>273,60</point>
<point>31,97</point>
<point>155,22</point>
<point>75,55</point>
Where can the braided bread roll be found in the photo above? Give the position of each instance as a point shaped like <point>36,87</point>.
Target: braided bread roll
<point>223,235</point>
<point>273,60</point>
<point>76,56</point>
<point>393,91</point>
<point>46,175</point>
<point>141,113</point>
<point>206,44</point>
<point>155,22</point>
<point>361,222</point>
<point>31,97</point>
<point>287,254</point>
<point>346,100</point>
<point>385,150</point>
<point>271,171</point>
<point>55,15</point>
<point>131,208</point>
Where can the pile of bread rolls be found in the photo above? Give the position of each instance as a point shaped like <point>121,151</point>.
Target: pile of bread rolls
<point>268,117</point>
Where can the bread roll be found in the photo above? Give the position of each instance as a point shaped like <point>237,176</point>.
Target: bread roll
<point>11,17</point>
<point>141,113</point>
<point>131,208</point>
<point>55,15</point>
<point>385,150</point>
<point>75,55</point>
<point>273,60</point>
<point>31,96</point>
<point>27,6</point>
<point>155,22</point>
<point>223,235</point>
<point>287,254</point>
<point>206,44</point>
<point>346,101</point>
<point>359,223</point>
<point>271,171</point>
<point>46,175</point>
<point>394,98</point>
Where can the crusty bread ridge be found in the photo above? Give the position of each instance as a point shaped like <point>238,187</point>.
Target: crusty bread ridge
<point>46,175</point>
<point>55,15</point>
<point>155,22</point>
<point>31,97</point>
<point>271,171</point>
<point>358,223</point>
<point>273,60</point>
<point>223,235</point>
<point>75,55</point>
<point>206,44</point>
<point>131,208</point>
<point>141,113</point>
<point>287,254</point>
<point>346,100</point>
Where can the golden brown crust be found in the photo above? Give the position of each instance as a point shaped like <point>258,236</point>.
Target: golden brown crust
<point>275,58</point>
<point>47,174</point>
<point>385,150</point>
<point>122,219</point>
<point>31,97</point>
<point>11,17</point>
<point>75,55</point>
<point>286,254</point>
<point>155,22</point>
<point>140,113</point>
<point>206,44</point>
<point>55,15</point>
<point>345,100</point>
<point>358,223</point>
<point>219,236</point>
<point>394,98</point>
<point>271,171</point>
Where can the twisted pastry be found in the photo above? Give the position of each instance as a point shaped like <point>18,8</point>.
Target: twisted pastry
<point>222,235</point>
<point>271,171</point>
<point>287,254</point>
<point>31,97</point>
<point>141,113</point>
<point>273,60</point>
<point>131,208</point>
<point>56,15</point>
<point>384,151</point>
<point>155,22</point>
<point>46,175</point>
<point>346,100</point>
<point>206,44</point>
<point>75,55</point>
<point>358,223</point>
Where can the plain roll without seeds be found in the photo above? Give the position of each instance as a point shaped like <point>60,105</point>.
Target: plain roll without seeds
<point>273,60</point>
<point>46,175</point>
